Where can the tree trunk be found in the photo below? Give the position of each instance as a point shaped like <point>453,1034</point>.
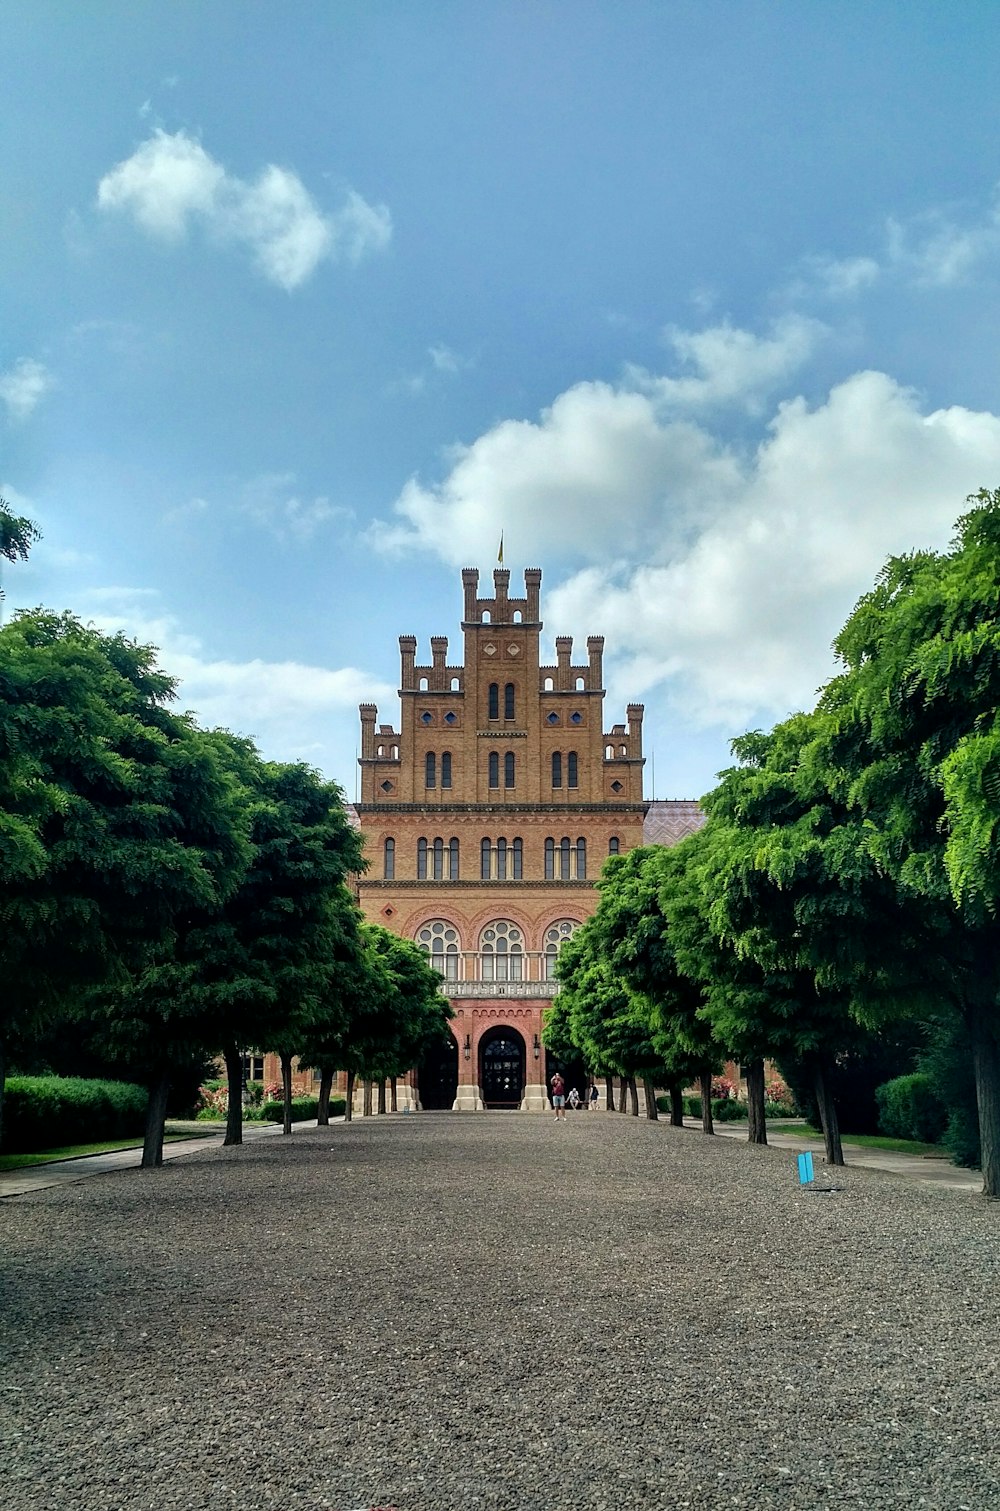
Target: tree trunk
<point>349,1108</point>
<point>286,1090</point>
<point>828,1114</point>
<point>652,1111</point>
<point>986,1064</point>
<point>633,1092</point>
<point>156,1116</point>
<point>325,1087</point>
<point>756,1126</point>
<point>368,1099</point>
<point>609,1094</point>
<point>676,1106</point>
<point>381,1099</point>
<point>707,1121</point>
<point>393,1099</point>
<point>623,1094</point>
<point>234,1080</point>
<point>3,1081</point>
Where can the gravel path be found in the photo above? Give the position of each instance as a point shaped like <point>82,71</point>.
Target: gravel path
<point>438,1313</point>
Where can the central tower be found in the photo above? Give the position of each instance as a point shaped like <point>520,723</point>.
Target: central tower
<point>487,816</point>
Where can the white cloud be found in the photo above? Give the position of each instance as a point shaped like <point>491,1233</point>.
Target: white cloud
<point>935,251</point>
<point>739,624</point>
<point>591,476</point>
<point>271,501</point>
<point>842,277</point>
<point>293,711</point>
<point>23,386</point>
<point>733,366</point>
<point>170,182</point>
<point>721,573</point>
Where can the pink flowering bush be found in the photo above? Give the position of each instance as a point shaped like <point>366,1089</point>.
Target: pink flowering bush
<point>723,1090</point>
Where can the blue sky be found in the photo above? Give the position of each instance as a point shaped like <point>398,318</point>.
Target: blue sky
<point>303,303</point>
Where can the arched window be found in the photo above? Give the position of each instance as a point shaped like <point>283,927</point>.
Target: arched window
<point>494,769</point>
<point>550,859</point>
<point>380,751</point>
<point>439,860</point>
<point>556,769</point>
<point>453,859</point>
<point>422,684</point>
<point>485,619</point>
<point>501,950</point>
<point>446,768</point>
<point>501,860</point>
<point>421,860</point>
<point>440,941</point>
<point>572,770</point>
<point>484,860</point>
<point>389,860</point>
<point>581,683</point>
<point>517,616</point>
<point>508,769</point>
<point>455,684</point>
<point>394,752</point>
<point>508,701</point>
<point>493,711</point>
<point>430,777</point>
<point>517,858</point>
<point>564,861</point>
<point>623,750</point>
<point>609,752</point>
<point>549,684</point>
<point>614,845</point>
<point>581,860</point>
<point>555,938</point>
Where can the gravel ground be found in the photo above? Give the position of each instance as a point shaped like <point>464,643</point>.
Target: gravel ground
<point>439,1313</point>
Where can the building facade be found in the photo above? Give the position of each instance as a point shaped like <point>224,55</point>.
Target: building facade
<point>487,814</point>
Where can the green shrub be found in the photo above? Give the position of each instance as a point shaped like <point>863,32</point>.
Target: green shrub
<point>303,1110</point>
<point>729,1110</point>
<point>338,1106</point>
<point>663,1104</point>
<point>909,1107</point>
<point>962,1139</point>
<point>209,1115</point>
<point>46,1112</point>
<point>692,1107</point>
<point>779,1110</point>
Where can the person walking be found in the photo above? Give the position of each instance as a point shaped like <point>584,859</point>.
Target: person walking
<point>595,1096</point>
<point>558,1095</point>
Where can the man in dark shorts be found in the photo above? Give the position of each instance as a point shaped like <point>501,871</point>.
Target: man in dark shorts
<point>558,1095</point>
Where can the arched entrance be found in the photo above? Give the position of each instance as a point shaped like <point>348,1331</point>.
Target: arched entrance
<point>501,1069</point>
<point>437,1075</point>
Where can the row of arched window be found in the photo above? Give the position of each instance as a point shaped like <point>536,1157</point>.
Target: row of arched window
<point>565,860</point>
<point>500,859</point>
<point>500,953</point>
<point>431,768</point>
<point>564,767</point>
<point>493,701</point>
<point>572,769</point>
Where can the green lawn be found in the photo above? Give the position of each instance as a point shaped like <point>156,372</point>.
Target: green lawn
<point>77,1151</point>
<point>878,1141</point>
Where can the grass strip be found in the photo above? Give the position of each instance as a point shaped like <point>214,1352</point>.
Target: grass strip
<point>80,1151</point>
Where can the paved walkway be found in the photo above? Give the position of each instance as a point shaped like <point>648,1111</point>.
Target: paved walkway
<point>68,1172</point>
<point>497,1314</point>
<point>931,1170</point>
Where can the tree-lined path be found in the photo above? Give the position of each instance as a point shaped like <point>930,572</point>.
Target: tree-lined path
<point>437,1313</point>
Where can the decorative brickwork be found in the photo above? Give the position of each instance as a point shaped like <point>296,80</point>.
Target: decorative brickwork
<point>496,802</point>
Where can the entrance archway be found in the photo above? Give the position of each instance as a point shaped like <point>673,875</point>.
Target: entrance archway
<point>437,1075</point>
<point>501,1069</point>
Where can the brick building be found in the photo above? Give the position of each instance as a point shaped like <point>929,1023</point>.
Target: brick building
<point>487,815</point>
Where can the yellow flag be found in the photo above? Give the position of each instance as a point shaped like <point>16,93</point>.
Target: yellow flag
<point>500,552</point>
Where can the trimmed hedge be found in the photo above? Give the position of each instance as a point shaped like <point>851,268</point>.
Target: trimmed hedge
<point>46,1112</point>
<point>909,1107</point>
<point>338,1106</point>
<point>729,1110</point>
<point>303,1109</point>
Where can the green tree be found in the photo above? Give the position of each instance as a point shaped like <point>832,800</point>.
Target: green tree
<point>916,741</point>
<point>17,536</point>
<point>116,819</point>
